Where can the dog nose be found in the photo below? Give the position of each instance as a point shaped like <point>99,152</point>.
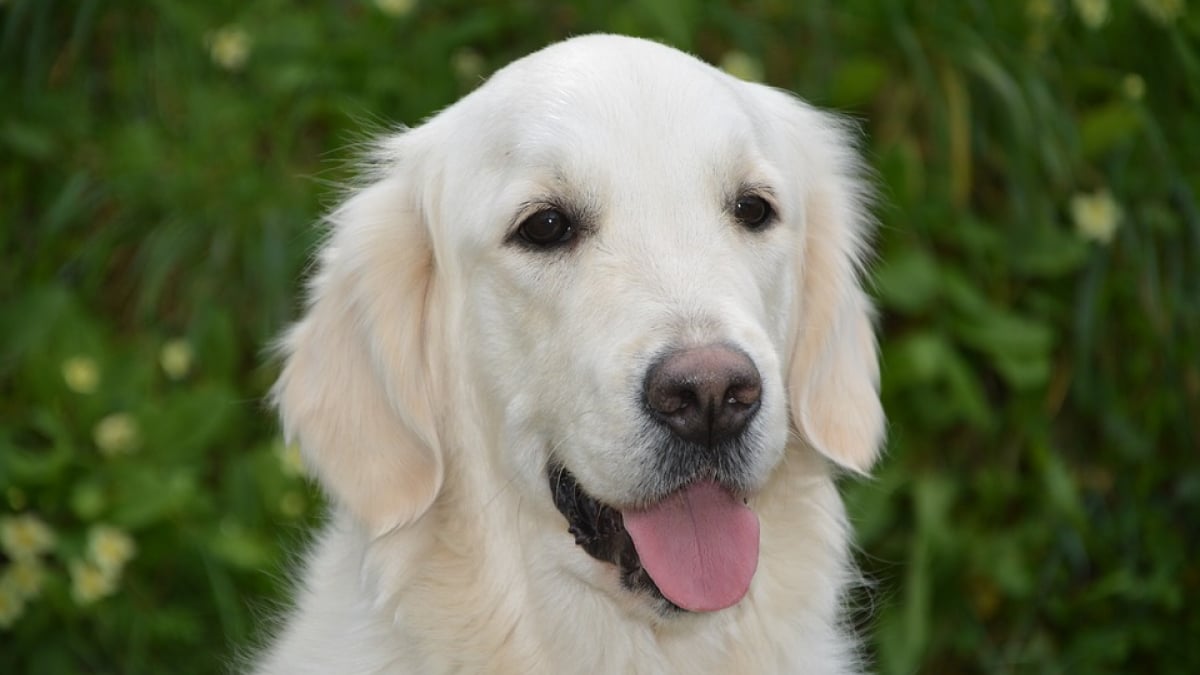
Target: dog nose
<point>704,394</point>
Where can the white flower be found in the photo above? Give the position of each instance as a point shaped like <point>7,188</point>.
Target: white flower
<point>81,374</point>
<point>12,605</point>
<point>1164,12</point>
<point>229,47</point>
<point>1040,11</point>
<point>16,497</point>
<point>117,434</point>
<point>291,504</point>
<point>1133,86</point>
<point>290,458</point>
<point>25,536</point>
<point>89,582</point>
<point>1093,13</point>
<point>468,65</point>
<point>742,65</point>
<point>110,548</point>
<point>176,358</point>
<point>396,8</point>
<point>25,578</point>
<point>1096,216</point>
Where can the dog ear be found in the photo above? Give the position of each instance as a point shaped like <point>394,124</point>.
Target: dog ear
<point>833,377</point>
<point>355,390</point>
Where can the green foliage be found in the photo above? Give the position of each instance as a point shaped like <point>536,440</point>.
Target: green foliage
<point>161,164</point>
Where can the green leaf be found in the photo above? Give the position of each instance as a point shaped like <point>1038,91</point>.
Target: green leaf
<point>928,365</point>
<point>1018,346</point>
<point>1050,252</point>
<point>1103,128</point>
<point>1058,482</point>
<point>933,496</point>
<point>206,413</point>
<point>963,293</point>
<point>30,320</point>
<point>908,281</point>
<point>1025,371</point>
<point>857,81</point>
<point>921,356</point>
<point>240,546</point>
<point>69,206</point>
<point>146,496</point>
<point>38,463</point>
<point>963,388</point>
<point>905,633</point>
<point>89,499</point>
<point>28,140</point>
<point>1004,562</point>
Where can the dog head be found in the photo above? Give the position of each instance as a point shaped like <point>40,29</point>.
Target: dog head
<point>637,275</point>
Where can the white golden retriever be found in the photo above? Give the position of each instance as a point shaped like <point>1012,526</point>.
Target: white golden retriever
<point>580,363</point>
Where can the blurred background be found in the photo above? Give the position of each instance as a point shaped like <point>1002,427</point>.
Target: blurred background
<point>162,165</point>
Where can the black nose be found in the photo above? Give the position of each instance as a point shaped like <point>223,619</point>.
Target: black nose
<point>704,394</point>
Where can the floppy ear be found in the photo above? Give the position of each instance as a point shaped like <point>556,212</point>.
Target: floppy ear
<point>833,378</point>
<point>355,391</point>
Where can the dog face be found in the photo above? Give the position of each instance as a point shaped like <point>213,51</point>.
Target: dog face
<point>619,236</point>
<point>636,275</point>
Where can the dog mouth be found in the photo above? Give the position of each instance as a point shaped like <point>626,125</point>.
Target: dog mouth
<point>694,550</point>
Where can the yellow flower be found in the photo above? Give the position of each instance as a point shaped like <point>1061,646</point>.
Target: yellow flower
<point>1164,12</point>
<point>1040,11</point>
<point>290,458</point>
<point>1093,13</point>
<point>1038,41</point>
<point>229,47</point>
<point>468,65</point>
<point>110,548</point>
<point>396,8</point>
<point>25,578</point>
<point>12,606</point>
<point>16,497</point>
<point>117,434</point>
<point>1133,86</point>
<point>89,582</point>
<point>176,358</point>
<point>291,504</point>
<point>81,374</point>
<point>742,65</point>
<point>1096,216</point>
<point>25,536</point>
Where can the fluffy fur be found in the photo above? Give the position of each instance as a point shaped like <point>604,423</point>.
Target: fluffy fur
<point>441,365</point>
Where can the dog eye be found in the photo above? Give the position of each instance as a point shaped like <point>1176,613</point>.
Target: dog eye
<point>547,228</point>
<point>752,211</point>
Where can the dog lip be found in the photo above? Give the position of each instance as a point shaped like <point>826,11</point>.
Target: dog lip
<point>599,529</point>
<point>594,525</point>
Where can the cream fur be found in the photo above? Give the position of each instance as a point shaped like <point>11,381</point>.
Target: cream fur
<point>439,366</point>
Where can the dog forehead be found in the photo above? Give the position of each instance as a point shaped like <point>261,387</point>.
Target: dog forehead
<point>601,123</point>
<point>608,95</point>
<point>603,67</point>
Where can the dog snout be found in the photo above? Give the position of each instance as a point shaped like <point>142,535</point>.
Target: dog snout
<point>704,394</point>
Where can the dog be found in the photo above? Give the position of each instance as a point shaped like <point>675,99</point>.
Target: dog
<point>582,358</point>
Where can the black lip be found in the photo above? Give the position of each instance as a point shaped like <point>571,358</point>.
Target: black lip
<point>599,530</point>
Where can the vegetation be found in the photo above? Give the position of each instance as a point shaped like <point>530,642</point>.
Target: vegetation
<point>162,164</point>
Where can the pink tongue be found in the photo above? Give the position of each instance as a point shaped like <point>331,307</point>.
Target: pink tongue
<point>699,545</point>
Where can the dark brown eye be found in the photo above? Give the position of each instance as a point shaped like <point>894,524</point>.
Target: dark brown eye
<point>547,228</point>
<point>752,211</point>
